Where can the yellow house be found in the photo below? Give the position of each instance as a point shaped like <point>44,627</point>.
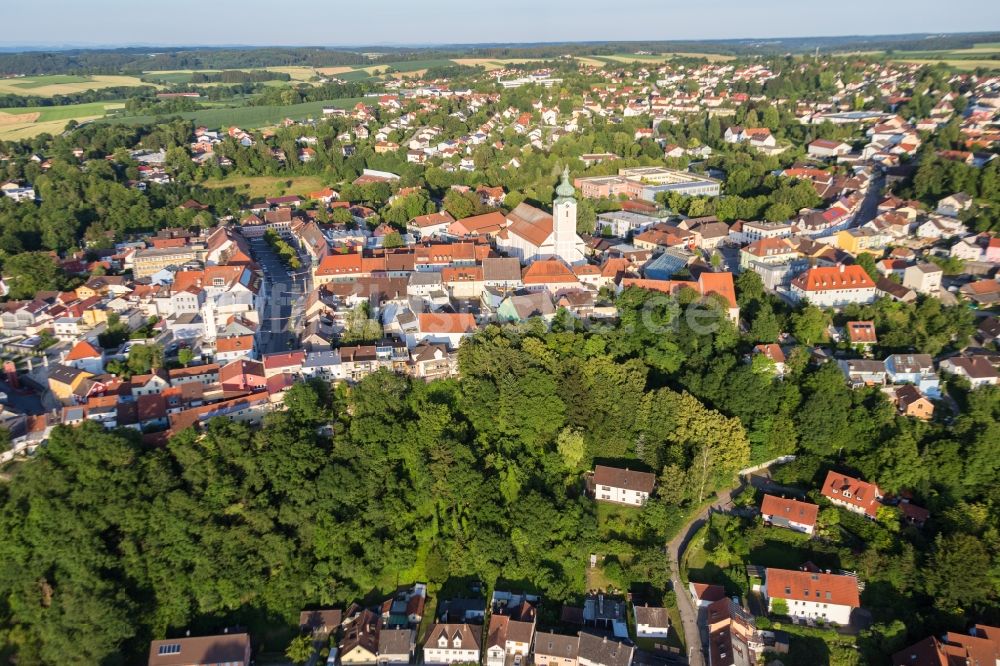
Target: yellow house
<point>65,380</point>
<point>95,315</point>
<point>856,241</point>
<point>83,292</point>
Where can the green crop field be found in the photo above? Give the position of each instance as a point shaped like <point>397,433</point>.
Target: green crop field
<point>48,86</point>
<point>26,122</point>
<point>246,117</point>
<point>354,75</point>
<point>986,55</point>
<point>39,81</point>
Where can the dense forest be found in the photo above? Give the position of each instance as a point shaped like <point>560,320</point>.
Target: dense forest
<point>351,491</point>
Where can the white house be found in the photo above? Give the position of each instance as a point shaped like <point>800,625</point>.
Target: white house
<point>623,486</point>
<point>923,278</point>
<point>977,369</point>
<point>651,621</point>
<point>954,204</point>
<point>826,148</point>
<point>789,513</point>
<point>510,635</point>
<point>834,286</point>
<point>813,595</point>
<point>452,643</point>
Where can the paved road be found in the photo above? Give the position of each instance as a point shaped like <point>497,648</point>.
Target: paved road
<point>869,207</point>
<point>283,294</point>
<point>695,639</point>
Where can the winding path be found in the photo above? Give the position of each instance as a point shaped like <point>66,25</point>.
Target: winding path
<point>694,638</point>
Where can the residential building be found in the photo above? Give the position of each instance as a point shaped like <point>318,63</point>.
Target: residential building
<point>824,148</point>
<point>834,286</point>
<point>596,650</point>
<point>976,369</point>
<point>979,647</point>
<point>556,650</point>
<point>229,649</point>
<point>911,402</point>
<point>453,643</point>
<point>360,641</point>
<point>511,633</point>
<point>651,621</point>
<point>923,278</point>
<point>396,647</point>
<point>852,494</point>
<point>813,595</point>
<point>623,486</point>
<point>861,333</point>
<point>789,513</point>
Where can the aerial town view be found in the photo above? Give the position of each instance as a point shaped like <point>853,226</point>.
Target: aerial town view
<point>564,334</point>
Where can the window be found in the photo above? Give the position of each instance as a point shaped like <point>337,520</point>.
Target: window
<point>170,648</point>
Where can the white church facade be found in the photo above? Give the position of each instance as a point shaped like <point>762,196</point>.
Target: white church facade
<point>533,234</point>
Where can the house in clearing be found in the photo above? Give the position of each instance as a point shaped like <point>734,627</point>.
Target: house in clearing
<point>622,486</point>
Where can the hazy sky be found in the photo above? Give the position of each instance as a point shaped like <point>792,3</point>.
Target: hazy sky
<point>348,22</point>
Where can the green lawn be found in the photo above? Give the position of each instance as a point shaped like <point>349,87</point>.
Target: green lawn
<point>247,117</point>
<point>813,646</point>
<point>261,187</point>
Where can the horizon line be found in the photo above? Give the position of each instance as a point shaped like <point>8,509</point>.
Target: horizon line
<point>71,46</point>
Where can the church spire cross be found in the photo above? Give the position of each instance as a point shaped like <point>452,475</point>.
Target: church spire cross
<point>565,189</point>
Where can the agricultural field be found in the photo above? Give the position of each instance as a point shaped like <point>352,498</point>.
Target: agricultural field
<point>184,76</point>
<point>493,63</point>
<point>261,187</point>
<point>248,117</point>
<point>49,86</point>
<point>26,122</point>
<point>981,55</point>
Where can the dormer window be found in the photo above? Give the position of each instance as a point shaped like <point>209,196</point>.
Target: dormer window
<point>457,643</point>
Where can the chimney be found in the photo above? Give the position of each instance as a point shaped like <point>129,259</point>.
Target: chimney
<point>841,268</point>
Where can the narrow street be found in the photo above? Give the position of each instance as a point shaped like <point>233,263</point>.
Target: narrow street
<point>869,207</point>
<point>693,638</point>
<point>283,293</point>
<point>696,639</point>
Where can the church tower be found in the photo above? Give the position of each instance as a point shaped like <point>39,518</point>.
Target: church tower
<point>567,245</point>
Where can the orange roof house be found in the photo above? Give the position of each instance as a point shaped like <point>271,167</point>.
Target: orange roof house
<point>852,494</point>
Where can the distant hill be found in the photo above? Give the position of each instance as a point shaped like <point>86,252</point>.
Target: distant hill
<point>133,60</point>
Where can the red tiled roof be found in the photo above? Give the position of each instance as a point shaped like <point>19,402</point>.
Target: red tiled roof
<point>860,494</point>
<point>82,350</point>
<point>861,332</point>
<point>789,509</point>
<point>814,587</point>
<point>234,343</point>
<point>446,322</point>
<point>826,278</point>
